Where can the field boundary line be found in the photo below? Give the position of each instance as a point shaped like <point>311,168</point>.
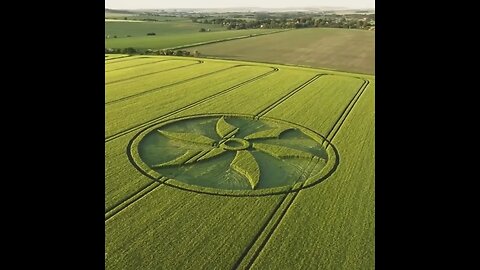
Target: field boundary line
<point>172,84</point>
<point>354,74</point>
<point>155,72</point>
<point>191,105</point>
<point>344,115</point>
<point>225,40</point>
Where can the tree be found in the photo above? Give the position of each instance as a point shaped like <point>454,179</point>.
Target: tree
<point>196,53</point>
<point>202,30</point>
<point>360,24</point>
<point>129,50</point>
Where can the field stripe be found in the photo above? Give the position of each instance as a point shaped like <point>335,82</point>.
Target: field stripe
<point>263,242</point>
<point>169,85</point>
<point>123,59</point>
<point>287,96</point>
<point>191,105</point>
<point>132,199</point>
<point>130,57</point>
<point>282,99</point>
<point>151,73</point>
<point>115,58</point>
<point>142,64</point>
<point>145,190</point>
<point>260,232</point>
<point>250,254</point>
<point>347,110</point>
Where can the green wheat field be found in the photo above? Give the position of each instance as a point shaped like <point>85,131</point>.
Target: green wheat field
<point>216,164</point>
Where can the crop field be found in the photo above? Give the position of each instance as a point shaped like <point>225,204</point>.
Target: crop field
<point>115,15</point>
<point>219,164</point>
<point>141,28</point>
<point>168,34</point>
<point>340,49</point>
<point>173,39</point>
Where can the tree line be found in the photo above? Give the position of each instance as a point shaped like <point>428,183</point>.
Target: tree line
<point>131,50</point>
<point>355,21</point>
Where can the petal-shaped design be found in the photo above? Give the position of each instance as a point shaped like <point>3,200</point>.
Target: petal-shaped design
<point>188,137</point>
<point>245,164</point>
<point>265,134</point>
<point>223,128</point>
<point>212,153</point>
<point>280,151</point>
<point>180,160</point>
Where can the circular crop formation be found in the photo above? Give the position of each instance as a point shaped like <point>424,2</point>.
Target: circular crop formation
<point>235,155</point>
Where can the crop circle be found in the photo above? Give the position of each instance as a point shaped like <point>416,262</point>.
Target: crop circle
<point>233,155</point>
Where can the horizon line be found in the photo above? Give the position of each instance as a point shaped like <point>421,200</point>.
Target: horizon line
<point>330,7</point>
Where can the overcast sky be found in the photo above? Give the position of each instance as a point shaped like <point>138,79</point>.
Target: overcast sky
<point>159,4</point>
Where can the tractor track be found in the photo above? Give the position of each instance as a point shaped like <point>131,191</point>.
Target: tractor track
<point>155,72</point>
<point>169,85</point>
<point>144,64</point>
<point>191,105</point>
<point>263,242</point>
<point>262,112</point>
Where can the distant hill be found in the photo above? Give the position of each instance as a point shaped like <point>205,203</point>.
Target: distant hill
<point>247,9</point>
<point>107,10</point>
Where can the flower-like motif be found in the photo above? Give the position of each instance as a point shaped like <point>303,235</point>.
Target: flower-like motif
<point>244,162</point>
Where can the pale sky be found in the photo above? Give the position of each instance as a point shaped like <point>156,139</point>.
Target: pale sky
<point>161,4</point>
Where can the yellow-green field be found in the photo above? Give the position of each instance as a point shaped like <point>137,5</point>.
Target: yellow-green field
<point>216,164</point>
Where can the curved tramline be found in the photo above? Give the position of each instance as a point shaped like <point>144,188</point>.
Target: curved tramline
<point>141,85</point>
<point>164,104</point>
<point>110,57</point>
<point>129,61</point>
<point>133,65</point>
<point>227,155</point>
<point>124,74</point>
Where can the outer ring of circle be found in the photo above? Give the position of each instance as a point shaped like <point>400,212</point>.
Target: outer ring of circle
<point>242,193</point>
